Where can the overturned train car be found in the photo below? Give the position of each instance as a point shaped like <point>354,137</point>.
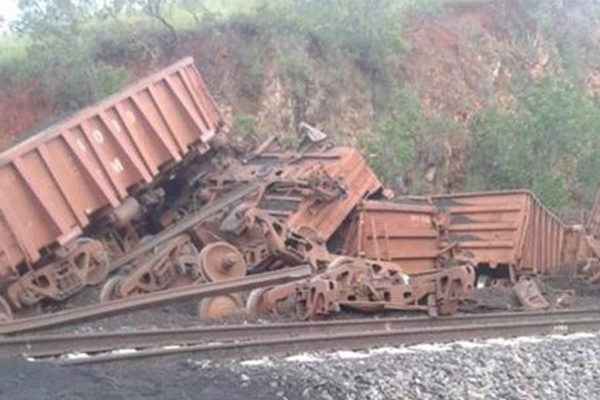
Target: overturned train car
<point>309,192</point>
<point>507,234</point>
<point>100,166</point>
<point>504,234</point>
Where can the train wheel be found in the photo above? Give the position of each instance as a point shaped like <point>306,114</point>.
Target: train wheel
<point>220,307</point>
<point>110,289</point>
<point>5,311</point>
<point>90,258</point>
<point>221,261</point>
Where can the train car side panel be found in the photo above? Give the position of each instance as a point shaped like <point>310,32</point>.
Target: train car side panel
<point>55,182</point>
<point>360,181</point>
<point>508,229</point>
<point>401,233</point>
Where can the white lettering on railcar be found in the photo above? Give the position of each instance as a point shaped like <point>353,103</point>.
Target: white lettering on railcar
<point>98,136</point>
<point>117,166</point>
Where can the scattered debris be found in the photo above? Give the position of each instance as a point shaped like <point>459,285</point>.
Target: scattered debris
<point>529,295</point>
<point>163,200</point>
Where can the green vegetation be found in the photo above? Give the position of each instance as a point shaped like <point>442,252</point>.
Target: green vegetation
<point>407,142</point>
<point>550,144</point>
<point>246,127</point>
<point>546,140</point>
<point>69,43</point>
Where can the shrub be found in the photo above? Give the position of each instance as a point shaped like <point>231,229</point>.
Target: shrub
<point>550,144</point>
<point>246,127</point>
<point>405,144</point>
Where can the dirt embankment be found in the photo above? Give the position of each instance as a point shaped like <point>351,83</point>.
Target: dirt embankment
<point>460,60</point>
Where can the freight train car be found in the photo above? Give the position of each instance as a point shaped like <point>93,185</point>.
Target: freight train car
<point>508,234</point>
<point>311,191</point>
<point>313,188</point>
<point>340,179</point>
<point>409,235</point>
<point>102,164</point>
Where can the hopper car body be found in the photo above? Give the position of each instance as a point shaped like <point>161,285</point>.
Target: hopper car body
<point>405,234</point>
<point>504,234</point>
<point>507,232</point>
<point>58,182</point>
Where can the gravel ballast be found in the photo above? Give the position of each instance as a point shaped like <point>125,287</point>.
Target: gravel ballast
<point>562,367</point>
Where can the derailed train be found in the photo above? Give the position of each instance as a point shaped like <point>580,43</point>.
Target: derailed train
<point>88,177</point>
<point>111,191</point>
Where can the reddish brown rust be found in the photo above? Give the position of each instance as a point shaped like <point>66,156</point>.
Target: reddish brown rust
<point>315,187</point>
<point>410,235</point>
<point>221,307</point>
<point>57,182</point>
<point>510,230</point>
<point>368,286</point>
<point>59,177</point>
<point>308,192</point>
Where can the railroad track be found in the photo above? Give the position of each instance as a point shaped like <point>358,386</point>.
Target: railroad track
<point>242,341</point>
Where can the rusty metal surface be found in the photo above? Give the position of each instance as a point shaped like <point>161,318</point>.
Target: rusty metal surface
<point>236,195</point>
<point>351,337</point>
<point>53,182</point>
<point>315,188</point>
<point>406,234</point>
<point>368,286</point>
<point>48,344</point>
<point>245,240</point>
<point>359,182</point>
<point>83,262</point>
<point>505,229</point>
<point>157,299</point>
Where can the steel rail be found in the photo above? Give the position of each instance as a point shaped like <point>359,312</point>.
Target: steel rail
<point>293,338</point>
<point>45,345</point>
<point>353,341</point>
<point>157,299</point>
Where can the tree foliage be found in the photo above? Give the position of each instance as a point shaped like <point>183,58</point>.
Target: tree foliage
<point>409,141</point>
<point>368,30</point>
<point>550,144</point>
<point>63,54</point>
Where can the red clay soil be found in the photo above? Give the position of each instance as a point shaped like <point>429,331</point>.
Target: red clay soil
<point>460,57</point>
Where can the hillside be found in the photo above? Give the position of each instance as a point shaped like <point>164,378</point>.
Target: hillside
<point>445,96</point>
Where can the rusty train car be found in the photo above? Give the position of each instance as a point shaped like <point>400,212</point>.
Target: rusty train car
<point>409,235</point>
<point>97,165</point>
<point>508,234</point>
<point>340,179</point>
<point>312,188</point>
<point>504,234</point>
<point>310,191</point>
